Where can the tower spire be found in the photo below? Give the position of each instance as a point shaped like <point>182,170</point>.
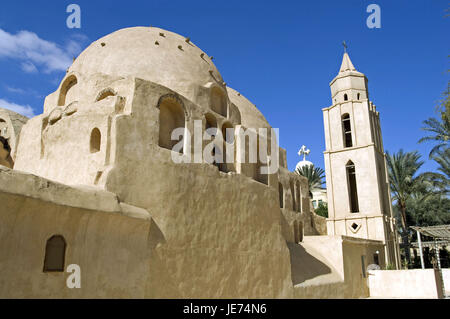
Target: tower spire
<point>347,64</point>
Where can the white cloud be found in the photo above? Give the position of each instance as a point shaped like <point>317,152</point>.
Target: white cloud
<point>36,52</point>
<point>29,67</point>
<point>15,90</point>
<point>21,109</point>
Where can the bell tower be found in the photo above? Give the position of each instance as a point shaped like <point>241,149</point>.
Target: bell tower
<point>357,185</point>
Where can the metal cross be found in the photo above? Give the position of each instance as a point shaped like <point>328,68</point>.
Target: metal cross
<point>345,46</point>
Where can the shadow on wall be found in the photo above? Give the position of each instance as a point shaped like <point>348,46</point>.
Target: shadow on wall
<point>304,266</point>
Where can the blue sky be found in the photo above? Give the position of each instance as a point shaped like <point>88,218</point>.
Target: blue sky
<point>279,54</point>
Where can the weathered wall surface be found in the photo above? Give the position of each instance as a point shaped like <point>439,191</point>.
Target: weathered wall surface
<point>334,265</point>
<point>411,283</point>
<point>117,254</point>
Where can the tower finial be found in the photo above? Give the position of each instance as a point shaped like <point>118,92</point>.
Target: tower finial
<point>304,152</point>
<point>345,46</point>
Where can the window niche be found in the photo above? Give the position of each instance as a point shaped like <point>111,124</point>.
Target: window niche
<point>281,195</point>
<point>96,141</point>
<point>171,117</point>
<point>218,101</point>
<point>55,254</point>
<point>66,89</point>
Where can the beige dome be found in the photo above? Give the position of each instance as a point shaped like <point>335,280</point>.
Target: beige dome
<point>151,54</point>
<point>251,117</point>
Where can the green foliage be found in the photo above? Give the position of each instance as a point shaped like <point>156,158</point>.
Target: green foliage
<point>322,210</point>
<point>390,267</point>
<point>439,128</point>
<point>404,180</point>
<point>315,176</point>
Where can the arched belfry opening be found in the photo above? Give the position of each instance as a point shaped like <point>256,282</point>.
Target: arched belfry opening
<point>55,254</point>
<point>66,90</point>
<point>218,101</point>
<point>352,187</point>
<point>347,130</point>
<point>345,97</point>
<point>171,117</point>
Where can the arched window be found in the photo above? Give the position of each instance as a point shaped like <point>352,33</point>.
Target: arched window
<point>345,97</point>
<point>96,140</point>
<point>281,194</point>
<point>55,253</point>
<point>359,96</point>
<point>171,117</point>
<point>104,94</point>
<point>218,101</point>
<point>347,130</point>
<point>66,87</point>
<point>352,187</point>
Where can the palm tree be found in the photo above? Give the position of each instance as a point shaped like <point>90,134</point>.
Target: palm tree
<point>439,128</point>
<point>442,178</point>
<point>405,183</point>
<point>314,175</point>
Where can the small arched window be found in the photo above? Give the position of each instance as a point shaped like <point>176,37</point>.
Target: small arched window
<point>96,140</point>
<point>104,94</point>
<point>345,97</point>
<point>66,87</point>
<point>218,101</point>
<point>171,117</point>
<point>281,194</point>
<point>55,254</point>
<point>347,130</point>
<point>359,96</point>
<point>352,187</point>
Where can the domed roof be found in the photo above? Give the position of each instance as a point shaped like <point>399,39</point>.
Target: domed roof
<point>303,163</point>
<point>251,117</point>
<point>303,152</point>
<point>151,54</point>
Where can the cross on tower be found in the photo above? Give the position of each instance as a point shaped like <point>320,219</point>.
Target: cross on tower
<point>345,46</point>
<point>304,152</point>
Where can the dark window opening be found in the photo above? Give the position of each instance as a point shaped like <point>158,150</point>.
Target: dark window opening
<point>96,140</point>
<point>347,130</point>
<point>376,259</point>
<point>345,97</point>
<point>281,194</point>
<point>352,187</point>
<point>55,252</point>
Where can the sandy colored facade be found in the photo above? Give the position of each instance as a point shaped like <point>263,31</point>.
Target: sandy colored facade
<point>96,170</point>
